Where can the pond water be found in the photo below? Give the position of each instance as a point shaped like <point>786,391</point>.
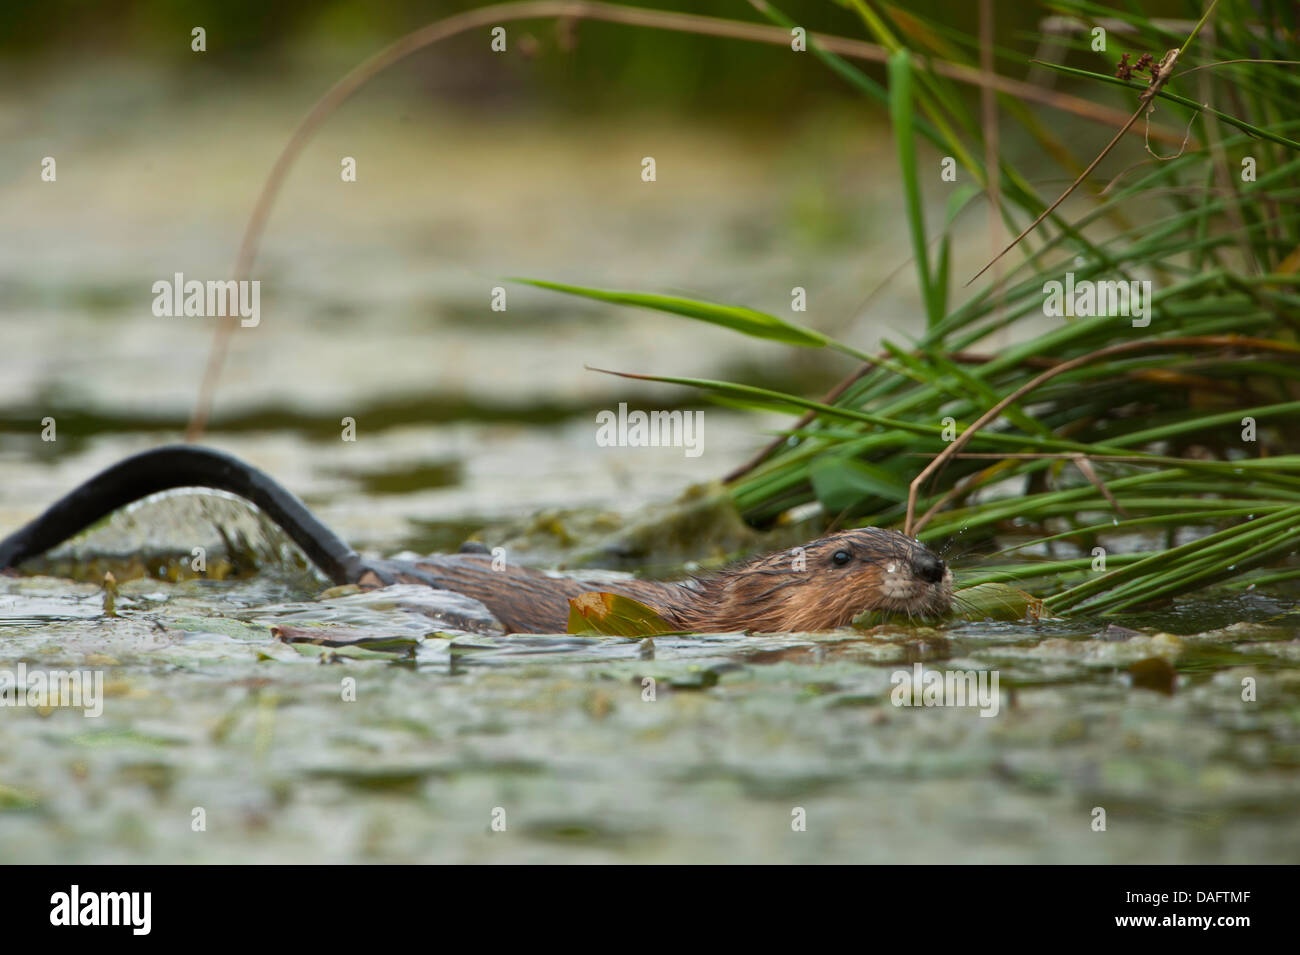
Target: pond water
<point>443,733</point>
<point>403,739</point>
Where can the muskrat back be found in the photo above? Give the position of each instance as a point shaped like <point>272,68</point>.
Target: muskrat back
<point>820,586</point>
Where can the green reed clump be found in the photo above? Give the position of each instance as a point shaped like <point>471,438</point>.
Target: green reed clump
<point>1188,445</point>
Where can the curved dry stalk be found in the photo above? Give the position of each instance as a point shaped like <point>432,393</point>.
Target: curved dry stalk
<point>943,457</point>
<point>562,9</point>
<point>1084,465</point>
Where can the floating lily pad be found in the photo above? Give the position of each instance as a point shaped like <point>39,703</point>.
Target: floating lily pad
<point>614,615</point>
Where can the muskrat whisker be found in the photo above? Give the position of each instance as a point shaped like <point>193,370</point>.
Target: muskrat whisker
<point>961,604</point>
<point>952,539</point>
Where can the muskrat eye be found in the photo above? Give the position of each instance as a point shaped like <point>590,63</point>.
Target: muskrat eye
<point>841,557</point>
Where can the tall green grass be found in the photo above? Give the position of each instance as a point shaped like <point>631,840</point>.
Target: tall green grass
<point>1147,443</point>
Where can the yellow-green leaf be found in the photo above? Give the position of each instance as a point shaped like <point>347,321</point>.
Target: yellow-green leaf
<point>995,602</point>
<point>614,615</point>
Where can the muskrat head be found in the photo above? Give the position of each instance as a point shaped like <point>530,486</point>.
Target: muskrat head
<point>876,569</point>
<point>826,583</point>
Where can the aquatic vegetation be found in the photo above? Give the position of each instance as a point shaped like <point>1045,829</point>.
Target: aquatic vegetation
<point>1162,400</point>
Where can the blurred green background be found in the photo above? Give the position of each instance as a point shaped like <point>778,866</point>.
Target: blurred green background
<point>610,67</point>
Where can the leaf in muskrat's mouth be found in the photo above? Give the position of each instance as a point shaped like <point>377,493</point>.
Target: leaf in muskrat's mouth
<point>995,602</point>
<point>614,615</point>
<point>981,602</point>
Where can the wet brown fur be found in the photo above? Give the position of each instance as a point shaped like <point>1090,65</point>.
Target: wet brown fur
<point>798,589</point>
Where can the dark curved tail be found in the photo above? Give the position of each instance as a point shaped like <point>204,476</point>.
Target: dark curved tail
<point>181,466</point>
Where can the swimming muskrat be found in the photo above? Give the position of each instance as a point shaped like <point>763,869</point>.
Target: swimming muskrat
<point>820,586</point>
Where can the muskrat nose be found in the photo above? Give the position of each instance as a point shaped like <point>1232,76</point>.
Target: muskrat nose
<point>928,568</point>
